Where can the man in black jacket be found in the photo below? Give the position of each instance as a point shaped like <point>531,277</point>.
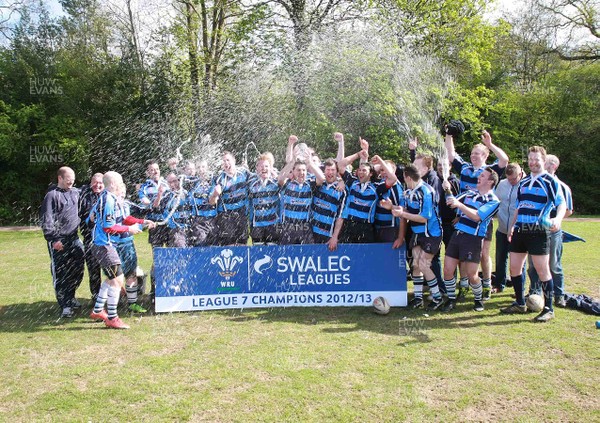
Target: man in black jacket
<point>60,219</point>
<point>87,198</point>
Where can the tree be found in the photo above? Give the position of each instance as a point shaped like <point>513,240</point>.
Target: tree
<point>575,26</point>
<point>305,19</point>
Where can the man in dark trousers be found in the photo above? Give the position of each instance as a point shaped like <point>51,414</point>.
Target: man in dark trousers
<point>87,198</point>
<point>60,219</point>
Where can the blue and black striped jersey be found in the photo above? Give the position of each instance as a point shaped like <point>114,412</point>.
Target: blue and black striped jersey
<point>235,190</point>
<point>177,209</point>
<point>362,199</point>
<point>264,203</point>
<point>296,200</point>
<point>107,212</point>
<point>327,206</point>
<point>536,198</point>
<point>421,200</point>
<point>383,217</point>
<point>468,174</point>
<point>198,197</point>
<point>486,206</point>
<point>149,190</point>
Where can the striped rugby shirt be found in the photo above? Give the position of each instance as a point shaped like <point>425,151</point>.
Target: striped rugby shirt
<point>421,200</point>
<point>486,205</point>
<point>536,198</point>
<point>469,174</point>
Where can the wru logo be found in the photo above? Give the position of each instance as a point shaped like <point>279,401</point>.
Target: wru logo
<point>227,263</point>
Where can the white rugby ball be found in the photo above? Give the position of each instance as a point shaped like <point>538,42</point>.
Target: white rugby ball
<point>381,305</point>
<point>535,303</point>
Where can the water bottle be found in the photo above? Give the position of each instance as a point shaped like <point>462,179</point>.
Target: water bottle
<point>449,195</point>
<point>597,324</point>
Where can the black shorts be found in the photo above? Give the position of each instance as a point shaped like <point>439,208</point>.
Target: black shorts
<point>231,227</point>
<point>536,243</point>
<point>265,234</point>
<point>320,238</point>
<point>108,259</point>
<point>429,244</point>
<point>386,234</point>
<point>296,233</point>
<point>177,238</point>
<point>357,233</point>
<point>490,231</point>
<point>465,247</point>
<point>201,231</point>
<point>159,236</point>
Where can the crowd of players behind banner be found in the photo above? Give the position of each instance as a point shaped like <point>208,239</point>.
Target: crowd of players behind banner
<point>308,202</point>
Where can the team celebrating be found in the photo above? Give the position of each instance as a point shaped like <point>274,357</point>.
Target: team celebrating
<point>314,202</point>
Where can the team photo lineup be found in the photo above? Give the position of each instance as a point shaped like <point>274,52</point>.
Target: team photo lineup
<point>355,198</point>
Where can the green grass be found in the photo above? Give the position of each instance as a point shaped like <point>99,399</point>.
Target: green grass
<point>294,364</point>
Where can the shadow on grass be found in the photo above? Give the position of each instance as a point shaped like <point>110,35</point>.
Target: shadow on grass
<point>43,316</point>
<point>414,325</point>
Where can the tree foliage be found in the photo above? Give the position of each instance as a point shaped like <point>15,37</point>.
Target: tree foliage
<point>111,83</point>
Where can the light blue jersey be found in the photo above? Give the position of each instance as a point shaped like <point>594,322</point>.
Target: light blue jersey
<point>421,200</point>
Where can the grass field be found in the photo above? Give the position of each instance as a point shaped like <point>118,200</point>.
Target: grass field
<point>294,364</point>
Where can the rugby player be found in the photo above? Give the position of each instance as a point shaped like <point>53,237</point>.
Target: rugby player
<point>539,193</point>
<point>356,224</point>
<point>387,226</point>
<point>113,226</point>
<point>296,198</point>
<point>468,175</point>
<point>263,203</point>
<point>422,216</point>
<point>203,209</point>
<point>231,196</point>
<point>475,211</point>
<point>177,212</point>
<point>149,194</point>
<point>327,204</point>
<point>150,199</point>
<point>556,241</point>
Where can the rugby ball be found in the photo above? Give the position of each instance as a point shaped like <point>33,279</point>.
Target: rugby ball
<point>535,303</point>
<point>381,305</point>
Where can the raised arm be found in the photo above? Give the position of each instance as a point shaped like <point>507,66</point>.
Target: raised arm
<point>283,174</point>
<point>391,178</point>
<point>315,170</point>
<point>364,146</point>
<point>412,148</point>
<point>449,143</point>
<point>503,159</point>
<point>339,137</point>
<point>289,151</point>
<point>342,164</point>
